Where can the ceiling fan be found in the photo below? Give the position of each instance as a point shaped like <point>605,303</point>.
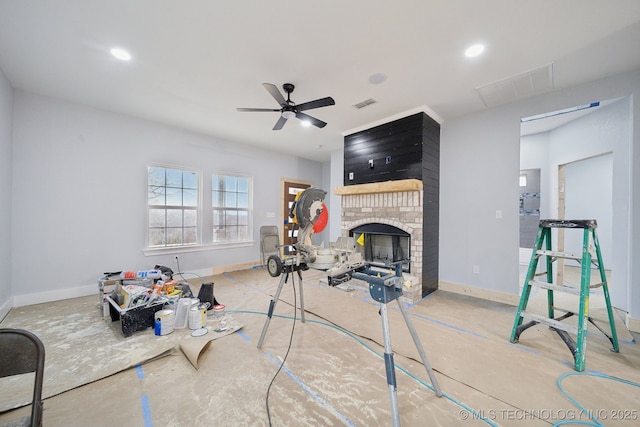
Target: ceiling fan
<point>290,109</point>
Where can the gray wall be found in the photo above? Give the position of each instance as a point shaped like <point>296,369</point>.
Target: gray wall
<point>79,186</point>
<point>6,119</point>
<point>480,163</point>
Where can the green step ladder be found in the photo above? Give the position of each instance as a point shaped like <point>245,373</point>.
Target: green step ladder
<point>586,260</point>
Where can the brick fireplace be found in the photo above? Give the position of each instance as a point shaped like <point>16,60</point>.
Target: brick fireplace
<point>395,203</point>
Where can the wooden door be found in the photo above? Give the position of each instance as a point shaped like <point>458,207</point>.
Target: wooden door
<point>291,189</point>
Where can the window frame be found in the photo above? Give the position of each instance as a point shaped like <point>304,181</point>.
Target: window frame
<point>248,210</point>
<point>198,210</point>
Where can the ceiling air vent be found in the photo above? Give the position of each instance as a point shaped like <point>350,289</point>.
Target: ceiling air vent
<point>530,83</point>
<point>365,103</point>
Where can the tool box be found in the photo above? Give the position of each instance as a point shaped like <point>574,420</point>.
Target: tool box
<point>135,318</point>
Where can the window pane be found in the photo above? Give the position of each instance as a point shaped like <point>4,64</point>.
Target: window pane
<point>174,197</point>
<point>174,236</point>
<point>189,197</point>
<point>243,218</point>
<point>230,183</point>
<point>230,200</point>
<point>156,195</point>
<point>231,218</point>
<point>217,199</point>
<point>156,176</point>
<point>231,234</point>
<point>243,233</point>
<point>217,183</point>
<point>174,178</point>
<point>243,185</point>
<point>190,218</point>
<point>156,237</point>
<point>218,234</point>
<point>156,218</point>
<point>243,200</point>
<point>190,235</point>
<point>189,180</point>
<point>174,218</point>
<point>218,218</point>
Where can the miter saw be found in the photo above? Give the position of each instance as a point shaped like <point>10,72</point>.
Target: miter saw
<point>310,214</point>
<point>342,261</point>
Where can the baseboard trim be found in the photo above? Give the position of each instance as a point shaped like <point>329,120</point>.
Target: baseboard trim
<point>57,295</point>
<point>633,323</point>
<point>481,293</point>
<point>81,291</point>
<point>5,308</point>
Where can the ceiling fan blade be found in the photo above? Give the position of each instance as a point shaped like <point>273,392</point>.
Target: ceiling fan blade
<point>312,120</point>
<point>273,90</point>
<point>281,121</point>
<point>258,109</point>
<point>324,102</point>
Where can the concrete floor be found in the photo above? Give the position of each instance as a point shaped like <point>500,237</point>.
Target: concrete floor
<point>334,374</point>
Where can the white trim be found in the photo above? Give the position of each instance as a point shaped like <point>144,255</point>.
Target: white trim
<point>165,250</point>
<point>4,309</point>
<point>422,109</point>
<point>486,294</point>
<point>633,323</point>
<point>48,296</point>
<point>81,291</point>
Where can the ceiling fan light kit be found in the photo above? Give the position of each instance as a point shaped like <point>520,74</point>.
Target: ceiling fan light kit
<point>289,109</point>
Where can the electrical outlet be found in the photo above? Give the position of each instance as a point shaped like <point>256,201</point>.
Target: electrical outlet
<point>476,269</point>
<point>350,176</point>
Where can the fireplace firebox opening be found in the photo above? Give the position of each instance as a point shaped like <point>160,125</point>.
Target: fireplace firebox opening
<point>383,244</point>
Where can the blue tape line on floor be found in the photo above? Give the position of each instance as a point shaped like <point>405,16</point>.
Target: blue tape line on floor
<point>312,393</point>
<point>146,411</point>
<point>139,372</point>
<point>243,335</point>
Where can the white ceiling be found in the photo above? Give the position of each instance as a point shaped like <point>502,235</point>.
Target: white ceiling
<point>195,61</point>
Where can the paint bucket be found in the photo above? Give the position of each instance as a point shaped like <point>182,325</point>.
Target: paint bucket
<point>164,322</point>
<point>198,315</point>
<point>182,311</point>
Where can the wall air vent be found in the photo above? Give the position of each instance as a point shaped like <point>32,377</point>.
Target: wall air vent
<point>365,103</point>
<point>530,83</point>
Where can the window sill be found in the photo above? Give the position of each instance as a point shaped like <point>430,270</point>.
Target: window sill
<point>196,248</point>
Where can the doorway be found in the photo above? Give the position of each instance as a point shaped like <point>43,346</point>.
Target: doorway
<point>582,153</point>
<point>291,188</point>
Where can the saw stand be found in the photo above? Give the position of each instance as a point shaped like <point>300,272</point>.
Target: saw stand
<point>288,266</point>
<point>383,289</point>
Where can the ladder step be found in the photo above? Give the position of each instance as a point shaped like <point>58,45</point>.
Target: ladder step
<point>550,322</point>
<point>546,285</point>
<point>557,254</point>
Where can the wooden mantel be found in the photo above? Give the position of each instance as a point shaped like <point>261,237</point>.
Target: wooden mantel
<point>380,187</point>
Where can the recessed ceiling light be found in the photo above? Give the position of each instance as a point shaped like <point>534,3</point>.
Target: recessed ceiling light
<point>120,54</point>
<point>377,78</point>
<point>474,50</point>
<point>305,123</point>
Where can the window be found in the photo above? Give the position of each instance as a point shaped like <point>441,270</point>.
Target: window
<point>231,208</point>
<point>172,198</point>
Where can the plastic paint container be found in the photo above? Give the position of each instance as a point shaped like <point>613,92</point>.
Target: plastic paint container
<point>164,322</point>
<point>182,311</point>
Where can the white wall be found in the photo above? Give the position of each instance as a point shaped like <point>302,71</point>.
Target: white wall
<point>6,130</point>
<point>479,171</point>
<point>79,185</point>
